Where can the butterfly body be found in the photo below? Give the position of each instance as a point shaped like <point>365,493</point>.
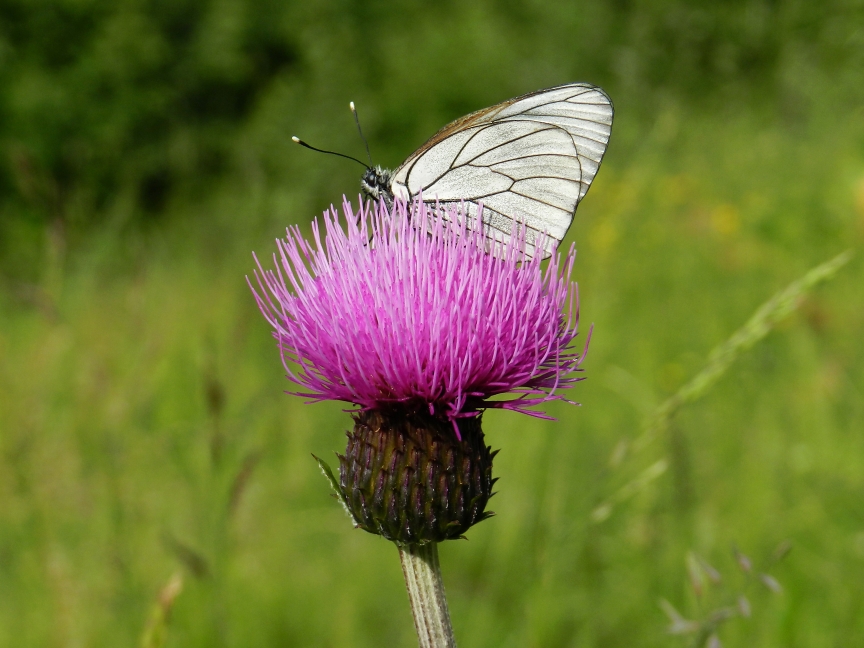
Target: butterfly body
<point>375,183</point>
<point>528,160</point>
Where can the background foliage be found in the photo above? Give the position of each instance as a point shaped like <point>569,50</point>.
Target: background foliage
<point>145,151</point>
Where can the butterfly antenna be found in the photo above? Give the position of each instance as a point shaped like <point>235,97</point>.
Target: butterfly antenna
<point>302,143</point>
<point>360,130</point>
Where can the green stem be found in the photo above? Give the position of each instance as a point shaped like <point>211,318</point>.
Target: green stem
<point>426,594</point>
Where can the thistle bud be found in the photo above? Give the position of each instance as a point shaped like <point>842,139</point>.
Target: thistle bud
<point>408,477</point>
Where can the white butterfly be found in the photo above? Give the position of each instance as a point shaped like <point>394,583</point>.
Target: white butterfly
<point>528,160</point>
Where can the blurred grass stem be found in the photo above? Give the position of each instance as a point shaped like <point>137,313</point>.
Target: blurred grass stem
<point>720,359</point>
<point>156,632</point>
<point>757,327</point>
<point>426,593</point>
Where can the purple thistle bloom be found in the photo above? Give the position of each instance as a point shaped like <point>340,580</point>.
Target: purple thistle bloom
<point>409,308</point>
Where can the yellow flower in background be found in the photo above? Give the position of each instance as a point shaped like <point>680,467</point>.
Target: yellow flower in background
<point>859,198</point>
<point>725,220</point>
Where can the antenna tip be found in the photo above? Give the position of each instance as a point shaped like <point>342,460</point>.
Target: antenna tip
<point>351,104</point>
<point>296,139</point>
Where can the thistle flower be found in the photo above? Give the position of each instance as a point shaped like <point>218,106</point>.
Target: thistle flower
<point>407,315</point>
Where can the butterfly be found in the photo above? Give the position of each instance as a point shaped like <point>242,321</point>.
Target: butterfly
<point>529,160</point>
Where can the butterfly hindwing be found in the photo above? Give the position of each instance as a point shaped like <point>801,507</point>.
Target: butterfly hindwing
<point>529,160</point>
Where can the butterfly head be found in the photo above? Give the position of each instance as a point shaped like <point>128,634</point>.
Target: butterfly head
<point>376,184</point>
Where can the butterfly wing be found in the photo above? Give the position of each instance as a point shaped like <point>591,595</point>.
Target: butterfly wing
<point>529,160</point>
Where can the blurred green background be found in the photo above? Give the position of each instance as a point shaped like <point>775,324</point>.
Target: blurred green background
<point>145,153</point>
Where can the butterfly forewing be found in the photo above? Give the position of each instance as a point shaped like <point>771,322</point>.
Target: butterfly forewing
<point>528,160</point>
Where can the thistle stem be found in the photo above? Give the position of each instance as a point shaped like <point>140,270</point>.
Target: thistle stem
<point>426,594</point>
